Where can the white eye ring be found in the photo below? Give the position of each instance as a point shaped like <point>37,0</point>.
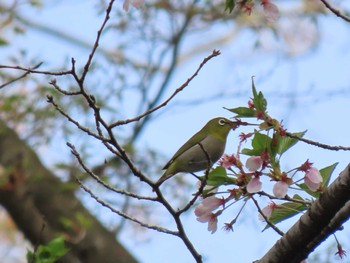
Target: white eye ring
<point>222,122</point>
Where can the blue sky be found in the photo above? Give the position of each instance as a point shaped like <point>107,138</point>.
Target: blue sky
<point>315,77</point>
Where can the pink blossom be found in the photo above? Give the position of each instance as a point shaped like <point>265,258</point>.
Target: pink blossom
<point>253,163</point>
<point>280,189</point>
<point>313,179</point>
<point>227,160</point>
<point>271,10</point>
<point>212,221</point>
<point>267,211</point>
<point>254,185</point>
<point>135,3</point>
<point>208,205</point>
<point>211,203</point>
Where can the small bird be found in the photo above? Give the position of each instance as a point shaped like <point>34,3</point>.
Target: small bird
<point>207,144</point>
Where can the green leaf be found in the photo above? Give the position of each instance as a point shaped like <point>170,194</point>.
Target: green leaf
<point>306,189</point>
<point>259,100</point>
<point>243,112</point>
<point>250,152</point>
<point>285,142</point>
<point>49,253</point>
<point>3,42</point>
<point>286,210</point>
<point>218,176</point>
<point>326,174</point>
<point>260,143</point>
<point>230,5</point>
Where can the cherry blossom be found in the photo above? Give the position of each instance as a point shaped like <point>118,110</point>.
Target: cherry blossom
<point>212,220</point>
<point>227,160</point>
<point>313,179</point>
<point>254,185</point>
<point>211,203</point>
<point>280,189</point>
<point>253,163</point>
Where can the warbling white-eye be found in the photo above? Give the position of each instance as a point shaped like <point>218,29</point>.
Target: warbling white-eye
<point>207,144</point>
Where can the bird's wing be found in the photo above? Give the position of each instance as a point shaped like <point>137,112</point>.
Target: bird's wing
<point>194,140</point>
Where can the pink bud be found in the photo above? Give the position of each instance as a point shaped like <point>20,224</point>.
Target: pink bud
<point>254,185</point>
<point>280,189</point>
<point>313,179</point>
<point>253,163</point>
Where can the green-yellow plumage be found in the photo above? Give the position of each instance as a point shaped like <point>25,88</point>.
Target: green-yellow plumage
<point>191,157</point>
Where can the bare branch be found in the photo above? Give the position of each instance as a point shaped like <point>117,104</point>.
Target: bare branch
<point>322,219</point>
<point>64,92</point>
<point>318,144</point>
<point>181,88</point>
<point>97,40</point>
<point>43,72</point>
<point>79,126</point>
<point>124,215</point>
<point>335,11</point>
<point>19,77</point>
<point>107,186</point>
<point>265,218</point>
<point>286,198</point>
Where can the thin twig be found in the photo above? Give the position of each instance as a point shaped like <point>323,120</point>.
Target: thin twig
<point>96,44</point>
<point>265,218</point>
<point>43,72</point>
<point>335,11</point>
<point>126,216</point>
<point>286,198</point>
<point>109,187</point>
<point>64,92</point>
<point>182,87</point>
<point>76,123</point>
<point>318,144</point>
<point>20,77</point>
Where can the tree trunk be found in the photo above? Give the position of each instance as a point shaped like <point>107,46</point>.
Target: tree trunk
<point>44,207</point>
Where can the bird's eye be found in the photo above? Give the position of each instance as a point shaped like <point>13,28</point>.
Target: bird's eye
<point>222,122</point>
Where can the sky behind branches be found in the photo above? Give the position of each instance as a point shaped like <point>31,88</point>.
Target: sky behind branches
<point>308,91</point>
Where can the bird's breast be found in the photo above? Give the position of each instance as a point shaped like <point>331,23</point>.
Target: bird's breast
<point>196,158</point>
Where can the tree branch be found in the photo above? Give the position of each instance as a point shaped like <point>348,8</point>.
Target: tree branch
<point>322,219</point>
<point>318,144</point>
<point>335,11</point>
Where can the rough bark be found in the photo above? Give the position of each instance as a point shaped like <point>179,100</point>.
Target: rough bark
<point>325,216</point>
<point>34,196</point>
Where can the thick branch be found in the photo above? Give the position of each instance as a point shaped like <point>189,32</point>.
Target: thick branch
<point>33,195</point>
<point>322,219</point>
